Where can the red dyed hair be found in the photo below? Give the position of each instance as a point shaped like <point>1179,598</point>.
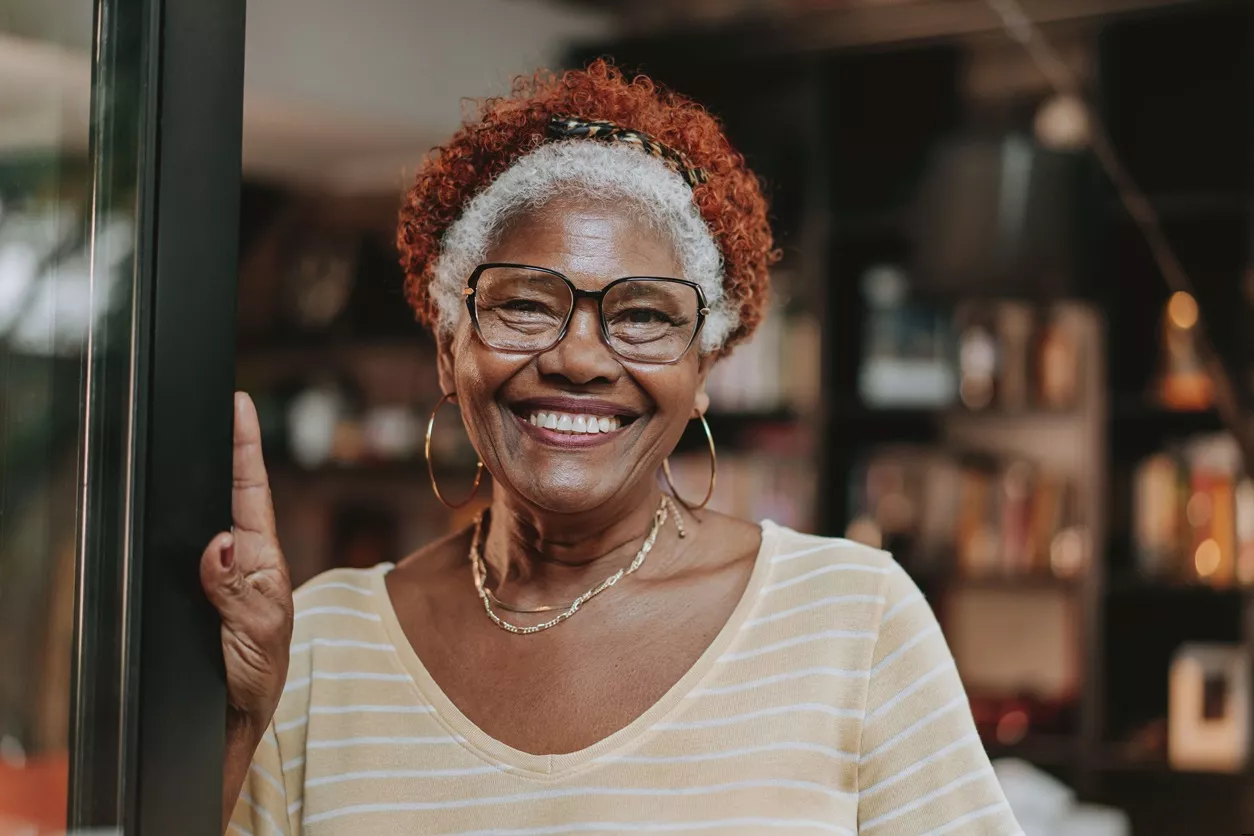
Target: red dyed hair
<point>505,128</point>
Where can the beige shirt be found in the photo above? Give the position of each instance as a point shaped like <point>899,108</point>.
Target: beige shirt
<point>829,703</point>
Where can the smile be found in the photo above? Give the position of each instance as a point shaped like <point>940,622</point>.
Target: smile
<point>576,424</point>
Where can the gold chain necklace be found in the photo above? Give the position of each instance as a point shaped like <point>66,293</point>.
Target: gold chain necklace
<point>480,571</point>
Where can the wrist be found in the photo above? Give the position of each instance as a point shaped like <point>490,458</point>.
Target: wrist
<point>245,728</point>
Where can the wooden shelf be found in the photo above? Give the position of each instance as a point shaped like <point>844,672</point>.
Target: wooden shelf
<point>1057,750</point>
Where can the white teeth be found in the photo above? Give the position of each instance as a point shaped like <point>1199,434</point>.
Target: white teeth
<point>570,423</point>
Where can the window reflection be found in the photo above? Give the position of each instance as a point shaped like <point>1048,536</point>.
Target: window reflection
<point>46,305</point>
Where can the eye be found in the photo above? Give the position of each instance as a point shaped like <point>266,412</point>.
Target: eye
<point>645,316</point>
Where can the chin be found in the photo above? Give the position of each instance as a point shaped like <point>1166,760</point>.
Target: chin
<point>580,493</point>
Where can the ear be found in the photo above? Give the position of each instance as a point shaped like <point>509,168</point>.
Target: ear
<point>444,360</point>
<point>701,403</point>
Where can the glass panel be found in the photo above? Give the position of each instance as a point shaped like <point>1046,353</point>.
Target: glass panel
<point>67,236</point>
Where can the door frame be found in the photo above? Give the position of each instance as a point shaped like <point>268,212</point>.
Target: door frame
<point>149,695</point>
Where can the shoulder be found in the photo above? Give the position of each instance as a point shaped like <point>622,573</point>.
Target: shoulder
<point>793,553</point>
<point>338,601</point>
<point>807,566</point>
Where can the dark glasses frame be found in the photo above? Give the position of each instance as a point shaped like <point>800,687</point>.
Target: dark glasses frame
<point>576,294</point>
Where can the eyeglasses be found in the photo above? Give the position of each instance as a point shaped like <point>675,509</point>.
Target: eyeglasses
<point>515,307</point>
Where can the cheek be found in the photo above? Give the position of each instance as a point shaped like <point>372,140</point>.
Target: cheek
<point>673,389</point>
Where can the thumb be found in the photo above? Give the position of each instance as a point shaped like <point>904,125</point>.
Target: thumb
<point>225,585</point>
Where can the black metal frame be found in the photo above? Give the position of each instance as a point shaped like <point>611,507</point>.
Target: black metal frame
<point>576,294</point>
<point>149,691</point>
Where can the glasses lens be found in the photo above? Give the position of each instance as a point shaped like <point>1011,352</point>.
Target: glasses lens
<point>652,320</point>
<point>520,309</point>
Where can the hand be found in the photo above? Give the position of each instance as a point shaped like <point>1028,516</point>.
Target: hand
<point>246,578</point>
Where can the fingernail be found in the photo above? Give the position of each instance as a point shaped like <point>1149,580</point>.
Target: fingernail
<point>227,554</point>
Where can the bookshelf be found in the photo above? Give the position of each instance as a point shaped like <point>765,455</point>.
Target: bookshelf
<point>867,124</point>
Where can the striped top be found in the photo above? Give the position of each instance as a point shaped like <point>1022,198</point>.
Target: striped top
<point>829,703</point>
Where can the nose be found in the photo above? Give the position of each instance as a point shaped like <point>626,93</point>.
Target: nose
<point>581,356</point>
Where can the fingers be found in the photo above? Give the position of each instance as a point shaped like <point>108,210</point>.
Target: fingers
<point>251,506</point>
<point>223,580</point>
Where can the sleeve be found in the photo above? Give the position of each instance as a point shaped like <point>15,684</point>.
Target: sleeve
<point>921,765</point>
<point>262,809</point>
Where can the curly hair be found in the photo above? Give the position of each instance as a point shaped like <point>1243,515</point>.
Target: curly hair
<point>506,128</point>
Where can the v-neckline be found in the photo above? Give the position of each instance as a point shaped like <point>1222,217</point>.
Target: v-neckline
<point>501,754</point>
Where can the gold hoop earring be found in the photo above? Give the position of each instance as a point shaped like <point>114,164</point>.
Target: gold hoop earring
<point>474,490</point>
<point>666,471</point>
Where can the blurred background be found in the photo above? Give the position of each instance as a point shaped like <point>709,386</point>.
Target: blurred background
<point>975,357</point>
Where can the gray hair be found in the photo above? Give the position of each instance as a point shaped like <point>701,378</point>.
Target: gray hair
<point>600,171</point>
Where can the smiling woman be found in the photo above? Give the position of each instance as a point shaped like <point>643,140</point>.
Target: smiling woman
<point>585,251</point>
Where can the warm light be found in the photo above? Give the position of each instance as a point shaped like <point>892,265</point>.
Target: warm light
<point>1182,310</point>
<point>1066,553</point>
<point>1207,558</point>
<point>1062,124</point>
<point>1012,727</point>
<point>1199,510</point>
<point>864,530</point>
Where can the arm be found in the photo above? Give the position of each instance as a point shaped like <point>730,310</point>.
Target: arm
<point>922,767</point>
<point>242,740</point>
<point>245,577</point>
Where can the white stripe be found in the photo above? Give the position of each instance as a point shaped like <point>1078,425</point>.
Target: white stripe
<point>291,724</point>
<point>927,798</point>
<point>303,682</point>
<point>318,587</point>
<point>402,773</point>
<point>294,807</point>
<point>784,558</point>
<point>895,609</point>
<point>914,727</point>
<point>352,709</point>
<point>660,826</point>
<point>296,684</point>
<point>909,643</point>
<point>826,570</point>
<point>922,762</point>
<point>969,817</point>
<point>888,704</point>
<point>347,742</point>
<point>372,709</point>
<point>356,645</point>
<point>261,811</point>
<point>796,640</point>
<point>845,713</point>
<point>294,763</point>
<point>835,754</point>
<point>839,673</point>
<point>239,828</point>
<point>577,792</point>
<point>368,616</point>
<point>268,778</point>
<point>834,599</point>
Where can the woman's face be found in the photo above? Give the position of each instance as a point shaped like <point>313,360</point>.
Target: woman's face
<point>498,392</point>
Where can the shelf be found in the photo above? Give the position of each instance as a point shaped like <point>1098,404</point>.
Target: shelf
<point>1041,749</point>
<point>1114,759</point>
<point>1010,583</point>
<point>1126,585</point>
<point>285,470</point>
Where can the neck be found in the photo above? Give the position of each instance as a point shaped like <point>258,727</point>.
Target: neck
<point>539,557</point>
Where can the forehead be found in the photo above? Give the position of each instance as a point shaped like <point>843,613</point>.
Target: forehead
<point>592,242</point>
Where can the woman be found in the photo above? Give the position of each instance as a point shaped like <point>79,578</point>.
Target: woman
<point>592,655</point>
